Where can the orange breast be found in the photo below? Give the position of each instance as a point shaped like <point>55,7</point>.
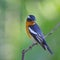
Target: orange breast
<point>27,27</point>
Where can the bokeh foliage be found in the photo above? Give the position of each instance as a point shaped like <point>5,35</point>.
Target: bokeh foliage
<point>13,37</point>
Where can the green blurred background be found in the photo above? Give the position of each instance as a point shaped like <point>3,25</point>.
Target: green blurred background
<point>13,37</point>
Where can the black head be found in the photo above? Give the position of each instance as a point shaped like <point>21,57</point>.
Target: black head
<point>31,18</point>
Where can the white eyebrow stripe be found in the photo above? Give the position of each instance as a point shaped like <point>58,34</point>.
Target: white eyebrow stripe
<point>28,16</point>
<point>32,31</point>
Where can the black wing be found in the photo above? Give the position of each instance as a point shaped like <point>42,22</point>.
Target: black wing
<point>38,36</point>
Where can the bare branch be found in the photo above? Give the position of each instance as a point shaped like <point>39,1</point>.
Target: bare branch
<point>53,30</point>
<point>34,44</point>
<point>26,50</point>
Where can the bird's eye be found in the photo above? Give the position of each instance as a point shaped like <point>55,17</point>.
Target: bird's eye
<point>28,19</point>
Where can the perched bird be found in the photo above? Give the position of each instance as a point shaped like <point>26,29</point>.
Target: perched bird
<point>35,33</point>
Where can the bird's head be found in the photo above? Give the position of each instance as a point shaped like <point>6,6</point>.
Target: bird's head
<point>30,18</point>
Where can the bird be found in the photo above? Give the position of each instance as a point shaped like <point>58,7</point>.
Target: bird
<point>35,33</point>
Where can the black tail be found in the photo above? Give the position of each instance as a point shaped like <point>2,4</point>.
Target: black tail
<point>46,46</point>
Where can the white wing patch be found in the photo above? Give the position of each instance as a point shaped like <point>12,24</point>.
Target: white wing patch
<point>37,35</point>
<point>32,31</point>
<point>39,38</point>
